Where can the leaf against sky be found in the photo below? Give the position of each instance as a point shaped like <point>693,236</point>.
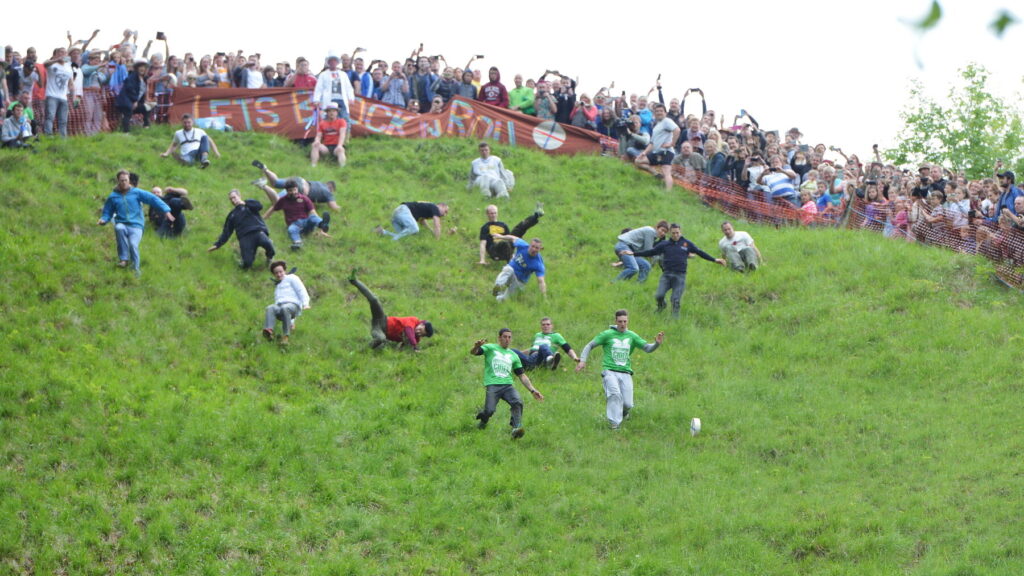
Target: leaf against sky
<point>1002,22</point>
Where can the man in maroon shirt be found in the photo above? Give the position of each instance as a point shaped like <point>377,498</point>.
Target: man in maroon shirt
<point>494,92</point>
<point>401,329</point>
<point>299,214</point>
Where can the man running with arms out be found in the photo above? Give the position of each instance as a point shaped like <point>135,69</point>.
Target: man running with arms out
<point>527,260</point>
<point>500,362</point>
<point>502,249</point>
<point>124,206</point>
<point>675,252</point>
<point>404,330</point>
<point>543,343</point>
<point>618,342</point>
<point>247,224</point>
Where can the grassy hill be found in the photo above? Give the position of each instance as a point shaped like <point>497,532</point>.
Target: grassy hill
<point>861,398</point>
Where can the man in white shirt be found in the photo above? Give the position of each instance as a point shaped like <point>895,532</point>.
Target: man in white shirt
<point>489,174</point>
<point>333,85</point>
<point>738,249</point>
<point>192,144</point>
<point>58,84</point>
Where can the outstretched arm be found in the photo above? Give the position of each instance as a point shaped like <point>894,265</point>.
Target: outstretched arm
<point>582,363</point>
<point>652,346</point>
<point>529,386</point>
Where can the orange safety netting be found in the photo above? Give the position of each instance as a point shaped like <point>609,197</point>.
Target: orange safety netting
<point>949,227</point>
<point>1002,242</point>
<point>753,206</point>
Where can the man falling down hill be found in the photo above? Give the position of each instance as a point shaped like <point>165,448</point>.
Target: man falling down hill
<point>402,329</point>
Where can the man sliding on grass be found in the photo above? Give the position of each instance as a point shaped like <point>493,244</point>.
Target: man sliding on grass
<point>401,329</point>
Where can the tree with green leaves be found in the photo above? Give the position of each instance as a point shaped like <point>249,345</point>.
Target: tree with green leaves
<point>968,135</point>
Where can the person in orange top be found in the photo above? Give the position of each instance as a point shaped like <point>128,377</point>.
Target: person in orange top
<point>402,329</point>
<point>330,136</point>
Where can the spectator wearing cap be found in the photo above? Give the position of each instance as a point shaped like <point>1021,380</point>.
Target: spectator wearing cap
<point>333,85</point>
<point>93,78</point>
<point>132,97</point>
<point>330,137</point>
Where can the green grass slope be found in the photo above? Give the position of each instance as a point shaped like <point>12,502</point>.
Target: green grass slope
<point>861,398</point>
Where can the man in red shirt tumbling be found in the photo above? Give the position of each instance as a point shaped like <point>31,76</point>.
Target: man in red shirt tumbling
<point>404,330</point>
<point>330,136</point>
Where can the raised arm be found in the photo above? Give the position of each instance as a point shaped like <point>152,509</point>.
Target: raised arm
<point>652,346</point>
<point>476,347</point>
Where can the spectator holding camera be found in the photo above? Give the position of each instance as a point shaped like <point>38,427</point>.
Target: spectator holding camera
<point>544,104</point>
<point>632,141</point>
<point>779,181</point>
<point>394,86</point>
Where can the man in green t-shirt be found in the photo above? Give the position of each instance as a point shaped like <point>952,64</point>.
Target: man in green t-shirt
<point>545,348</point>
<point>500,362</point>
<point>618,342</point>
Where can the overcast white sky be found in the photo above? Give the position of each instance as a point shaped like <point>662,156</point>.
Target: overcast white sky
<point>839,71</point>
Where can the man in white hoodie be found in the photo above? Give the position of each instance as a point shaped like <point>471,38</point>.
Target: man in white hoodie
<point>333,85</point>
<point>290,299</point>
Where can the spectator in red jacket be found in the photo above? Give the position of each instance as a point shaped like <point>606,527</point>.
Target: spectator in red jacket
<point>494,92</point>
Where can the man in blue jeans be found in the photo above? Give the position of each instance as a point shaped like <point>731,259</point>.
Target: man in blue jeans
<point>299,214</point>
<point>405,219</point>
<point>635,240</point>
<point>124,206</point>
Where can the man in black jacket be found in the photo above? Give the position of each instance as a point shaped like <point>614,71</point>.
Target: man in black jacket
<point>675,252</point>
<point>248,225</point>
<point>132,97</point>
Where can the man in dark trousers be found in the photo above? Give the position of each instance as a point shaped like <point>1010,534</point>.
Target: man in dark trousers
<point>675,251</point>
<point>248,225</point>
<point>402,329</point>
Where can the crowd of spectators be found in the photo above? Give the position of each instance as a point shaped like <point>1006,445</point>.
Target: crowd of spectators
<point>131,83</point>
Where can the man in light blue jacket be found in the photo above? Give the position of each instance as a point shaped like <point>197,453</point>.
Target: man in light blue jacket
<point>124,206</point>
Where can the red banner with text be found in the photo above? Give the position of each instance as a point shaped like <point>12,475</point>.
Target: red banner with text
<point>289,112</point>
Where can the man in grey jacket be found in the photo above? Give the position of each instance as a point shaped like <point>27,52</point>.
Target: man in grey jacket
<point>636,240</point>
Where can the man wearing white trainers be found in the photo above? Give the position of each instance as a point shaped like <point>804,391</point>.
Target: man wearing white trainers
<point>526,260</point>
<point>544,342</point>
